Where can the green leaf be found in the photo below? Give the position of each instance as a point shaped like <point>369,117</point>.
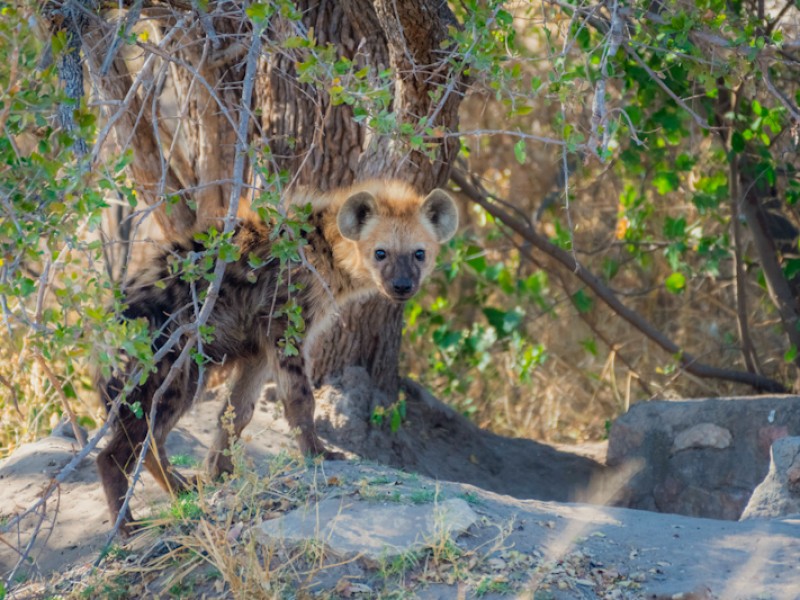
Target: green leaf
<point>69,391</point>
<point>137,410</point>
<point>791,354</point>
<point>396,420</point>
<point>792,268</point>
<point>504,17</point>
<point>737,142</point>
<point>258,12</point>
<point>610,268</point>
<point>519,152</point>
<point>665,182</point>
<point>675,283</point>
<point>477,260</point>
<point>590,345</point>
<point>583,301</point>
<point>446,339</point>
<point>675,228</point>
<point>27,286</point>
<point>684,162</point>
<point>504,322</point>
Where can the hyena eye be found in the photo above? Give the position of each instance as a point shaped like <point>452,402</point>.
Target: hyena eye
<point>420,255</point>
<point>380,254</point>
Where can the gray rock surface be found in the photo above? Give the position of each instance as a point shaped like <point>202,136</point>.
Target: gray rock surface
<point>371,530</point>
<point>779,494</point>
<point>699,457</point>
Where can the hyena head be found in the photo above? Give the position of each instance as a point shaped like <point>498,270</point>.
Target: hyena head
<point>395,234</point>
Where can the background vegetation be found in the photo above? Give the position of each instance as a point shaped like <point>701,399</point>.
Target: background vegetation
<point>628,178</point>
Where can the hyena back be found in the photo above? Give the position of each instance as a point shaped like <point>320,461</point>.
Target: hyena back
<point>376,237</point>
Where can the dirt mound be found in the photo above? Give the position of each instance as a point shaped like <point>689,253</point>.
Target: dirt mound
<point>436,441</point>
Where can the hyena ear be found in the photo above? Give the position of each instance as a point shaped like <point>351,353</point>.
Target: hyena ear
<point>355,213</point>
<point>440,210</point>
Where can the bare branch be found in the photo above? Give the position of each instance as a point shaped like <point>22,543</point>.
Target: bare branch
<point>788,104</point>
<point>688,362</point>
<point>130,20</point>
<point>70,68</point>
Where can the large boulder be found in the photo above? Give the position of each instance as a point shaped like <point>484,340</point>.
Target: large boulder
<point>700,457</point>
<point>779,494</point>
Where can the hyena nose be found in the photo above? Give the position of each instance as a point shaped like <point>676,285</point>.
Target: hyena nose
<point>402,285</point>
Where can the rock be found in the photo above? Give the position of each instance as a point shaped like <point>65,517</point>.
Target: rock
<point>704,435</point>
<point>699,457</point>
<point>375,531</point>
<point>779,494</point>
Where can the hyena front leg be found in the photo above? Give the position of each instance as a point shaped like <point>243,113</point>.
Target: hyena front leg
<point>294,390</point>
<point>251,375</point>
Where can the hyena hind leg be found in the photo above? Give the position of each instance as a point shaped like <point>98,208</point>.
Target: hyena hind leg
<point>294,390</point>
<point>117,460</point>
<point>251,375</point>
<point>114,464</point>
<point>167,476</point>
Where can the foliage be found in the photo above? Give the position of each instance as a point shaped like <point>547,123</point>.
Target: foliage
<point>51,256</point>
<point>664,125</point>
<point>634,140</point>
<point>653,146</point>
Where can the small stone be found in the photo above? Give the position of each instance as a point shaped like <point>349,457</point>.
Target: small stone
<point>703,435</point>
<point>497,564</point>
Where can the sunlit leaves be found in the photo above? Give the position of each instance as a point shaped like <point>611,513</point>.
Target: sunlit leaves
<point>519,152</point>
<point>675,283</point>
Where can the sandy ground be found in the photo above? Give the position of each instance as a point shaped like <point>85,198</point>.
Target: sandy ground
<point>673,554</point>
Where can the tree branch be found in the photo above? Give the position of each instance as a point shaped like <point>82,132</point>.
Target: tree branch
<point>526,231</point>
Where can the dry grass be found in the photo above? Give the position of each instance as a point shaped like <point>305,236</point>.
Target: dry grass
<point>202,546</point>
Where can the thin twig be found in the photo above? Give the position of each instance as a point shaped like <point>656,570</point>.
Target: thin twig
<point>80,435</point>
<point>788,104</point>
<point>173,372</point>
<point>218,273</point>
<point>130,20</point>
<point>132,91</point>
<point>14,397</point>
<point>678,100</point>
<point>508,132</point>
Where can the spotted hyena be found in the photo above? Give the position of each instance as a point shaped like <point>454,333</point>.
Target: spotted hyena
<point>378,236</point>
